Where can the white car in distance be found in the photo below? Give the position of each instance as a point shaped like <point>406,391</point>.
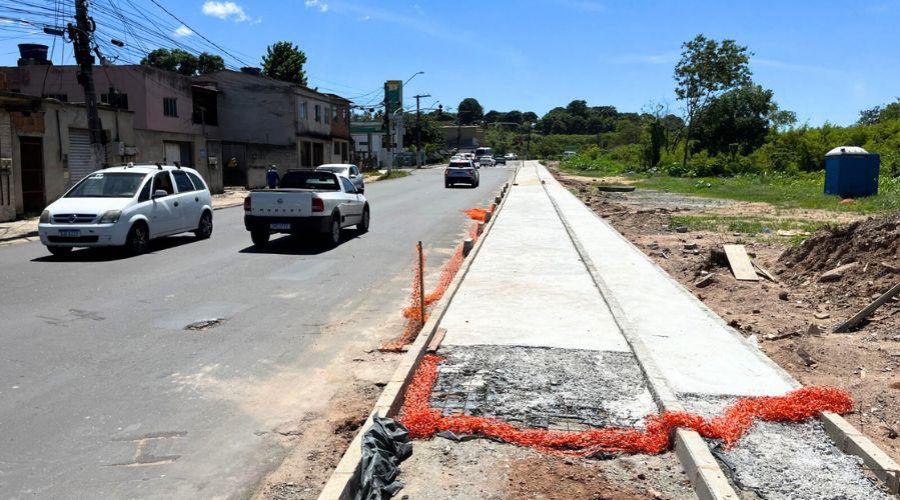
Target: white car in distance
<point>127,207</point>
<point>346,170</point>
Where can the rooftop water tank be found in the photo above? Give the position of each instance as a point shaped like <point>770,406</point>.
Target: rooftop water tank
<point>851,172</point>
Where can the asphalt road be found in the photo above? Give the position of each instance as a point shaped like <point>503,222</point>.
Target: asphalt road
<point>104,394</point>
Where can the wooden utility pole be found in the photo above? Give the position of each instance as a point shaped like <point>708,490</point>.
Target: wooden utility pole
<point>419,131</point>
<point>81,35</point>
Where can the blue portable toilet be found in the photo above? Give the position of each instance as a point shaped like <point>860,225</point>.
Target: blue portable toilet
<point>851,172</point>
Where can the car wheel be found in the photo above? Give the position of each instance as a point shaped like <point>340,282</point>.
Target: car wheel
<point>138,239</point>
<point>363,225</point>
<point>260,237</point>
<point>205,227</point>
<point>59,251</point>
<point>333,237</point>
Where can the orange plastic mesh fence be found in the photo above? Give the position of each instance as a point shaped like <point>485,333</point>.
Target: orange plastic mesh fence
<point>411,311</point>
<point>424,421</point>
<point>478,214</point>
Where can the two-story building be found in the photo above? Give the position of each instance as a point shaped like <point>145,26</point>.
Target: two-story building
<point>265,122</point>
<point>175,120</point>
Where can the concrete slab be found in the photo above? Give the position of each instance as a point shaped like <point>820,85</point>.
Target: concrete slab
<point>539,292</point>
<point>694,349</point>
<point>538,387</point>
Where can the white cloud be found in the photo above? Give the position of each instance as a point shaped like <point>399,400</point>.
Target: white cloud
<point>225,10</point>
<point>316,4</point>
<point>365,18</point>
<point>182,31</point>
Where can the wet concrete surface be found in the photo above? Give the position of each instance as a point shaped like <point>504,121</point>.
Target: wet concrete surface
<point>564,389</point>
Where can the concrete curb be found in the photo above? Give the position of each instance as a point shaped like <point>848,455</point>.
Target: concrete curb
<point>851,441</point>
<point>702,469</point>
<point>232,205</point>
<point>391,398</point>
<point>30,234</point>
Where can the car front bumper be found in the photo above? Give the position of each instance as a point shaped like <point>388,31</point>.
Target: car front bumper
<point>82,235</point>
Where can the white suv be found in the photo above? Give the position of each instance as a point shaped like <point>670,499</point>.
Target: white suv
<point>128,206</point>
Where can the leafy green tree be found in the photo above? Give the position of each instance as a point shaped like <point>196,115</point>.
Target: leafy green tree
<point>493,116</point>
<point>707,69</point>
<point>469,111</point>
<point>284,61</point>
<point>578,108</point>
<point>529,117</point>
<point>513,116</point>
<point>737,122</point>
<point>183,62</point>
<point>879,114</point>
<point>209,63</point>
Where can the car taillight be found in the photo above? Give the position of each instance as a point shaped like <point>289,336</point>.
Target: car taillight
<point>247,204</point>
<point>318,204</point>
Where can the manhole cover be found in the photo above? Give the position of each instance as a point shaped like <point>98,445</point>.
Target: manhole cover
<point>205,324</point>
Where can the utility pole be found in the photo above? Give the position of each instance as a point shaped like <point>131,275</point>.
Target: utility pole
<point>389,157</point>
<point>419,131</point>
<point>81,34</point>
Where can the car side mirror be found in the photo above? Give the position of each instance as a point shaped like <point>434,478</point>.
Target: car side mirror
<point>160,193</point>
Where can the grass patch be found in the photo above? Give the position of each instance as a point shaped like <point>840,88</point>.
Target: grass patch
<point>750,225</point>
<point>802,191</point>
<point>393,174</point>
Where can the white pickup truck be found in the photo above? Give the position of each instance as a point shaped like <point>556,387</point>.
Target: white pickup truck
<point>306,201</point>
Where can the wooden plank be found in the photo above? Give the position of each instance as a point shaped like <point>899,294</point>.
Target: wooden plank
<point>436,340</point>
<point>764,273</point>
<point>869,309</point>
<point>740,263</point>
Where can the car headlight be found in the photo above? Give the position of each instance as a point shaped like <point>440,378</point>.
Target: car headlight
<point>111,217</point>
<point>45,217</point>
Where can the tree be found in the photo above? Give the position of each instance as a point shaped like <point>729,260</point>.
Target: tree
<point>529,117</point>
<point>578,108</point>
<point>880,114</point>
<point>513,117</point>
<point>738,121</point>
<point>183,62</point>
<point>708,68</point>
<point>284,61</point>
<point>469,111</point>
<point>209,63</point>
<point>493,116</point>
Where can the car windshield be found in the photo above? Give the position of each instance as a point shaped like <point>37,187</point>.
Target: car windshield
<point>107,185</point>
<point>319,181</point>
<point>460,165</point>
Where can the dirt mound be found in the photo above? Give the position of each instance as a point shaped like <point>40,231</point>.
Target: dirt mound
<point>874,244</point>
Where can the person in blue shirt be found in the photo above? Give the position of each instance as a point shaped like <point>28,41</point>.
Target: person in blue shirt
<point>272,177</point>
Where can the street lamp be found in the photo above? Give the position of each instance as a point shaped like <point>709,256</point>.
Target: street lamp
<point>413,76</point>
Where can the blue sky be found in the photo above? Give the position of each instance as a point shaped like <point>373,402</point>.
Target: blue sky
<point>825,60</point>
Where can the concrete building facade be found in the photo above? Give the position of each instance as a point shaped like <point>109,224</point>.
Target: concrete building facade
<point>42,142</point>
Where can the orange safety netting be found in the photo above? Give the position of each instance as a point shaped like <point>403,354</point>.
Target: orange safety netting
<point>424,421</point>
<point>411,311</point>
<point>478,214</point>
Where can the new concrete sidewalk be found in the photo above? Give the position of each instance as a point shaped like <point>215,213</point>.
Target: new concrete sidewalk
<point>561,323</point>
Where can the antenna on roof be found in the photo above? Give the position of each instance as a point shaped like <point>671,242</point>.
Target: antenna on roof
<point>158,166</point>
<point>178,165</point>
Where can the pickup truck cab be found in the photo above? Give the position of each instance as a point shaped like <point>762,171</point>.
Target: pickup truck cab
<point>306,201</point>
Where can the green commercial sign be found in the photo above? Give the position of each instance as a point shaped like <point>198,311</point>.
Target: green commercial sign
<point>393,95</point>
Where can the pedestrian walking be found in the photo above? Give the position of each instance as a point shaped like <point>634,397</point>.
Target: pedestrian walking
<point>272,177</point>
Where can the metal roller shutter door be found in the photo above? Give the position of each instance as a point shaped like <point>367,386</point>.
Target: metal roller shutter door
<point>79,155</point>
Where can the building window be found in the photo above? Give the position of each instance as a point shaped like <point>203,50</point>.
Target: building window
<point>304,111</point>
<point>337,148</point>
<point>206,109</point>
<point>327,116</point>
<point>115,99</point>
<point>170,106</point>
<point>318,113</point>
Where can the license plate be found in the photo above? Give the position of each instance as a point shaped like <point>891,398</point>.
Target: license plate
<point>69,233</point>
<point>279,225</point>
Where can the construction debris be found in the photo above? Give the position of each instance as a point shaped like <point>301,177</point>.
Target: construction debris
<point>740,263</point>
<point>869,309</point>
<point>837,273</point>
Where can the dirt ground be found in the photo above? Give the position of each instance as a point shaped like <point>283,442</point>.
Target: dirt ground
<point>444,469</point>
<point>792,317</point>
